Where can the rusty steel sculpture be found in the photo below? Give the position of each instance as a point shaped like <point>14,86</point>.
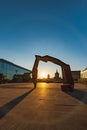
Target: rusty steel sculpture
<point>68,82</point>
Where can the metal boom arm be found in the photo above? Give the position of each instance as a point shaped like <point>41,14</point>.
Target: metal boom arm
<point>68,83</point>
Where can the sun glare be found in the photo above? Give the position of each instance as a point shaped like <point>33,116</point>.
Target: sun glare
<point>43,75</point>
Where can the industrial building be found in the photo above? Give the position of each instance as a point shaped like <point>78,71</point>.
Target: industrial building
<point>76,75</point>
<point>9,69</point>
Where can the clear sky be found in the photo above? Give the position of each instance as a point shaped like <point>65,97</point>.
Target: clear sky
<point>44,27</point>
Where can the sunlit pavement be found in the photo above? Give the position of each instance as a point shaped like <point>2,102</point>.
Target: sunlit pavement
<point>43,108</point>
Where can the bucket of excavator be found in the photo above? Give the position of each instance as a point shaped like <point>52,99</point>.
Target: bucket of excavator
<point>67,87</point>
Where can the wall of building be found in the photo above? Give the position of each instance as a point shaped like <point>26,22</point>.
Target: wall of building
<point>9,69</point>
<point>76,75</point>
<point>84,74</point>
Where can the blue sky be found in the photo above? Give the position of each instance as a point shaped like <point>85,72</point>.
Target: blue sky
<point>44,27</point>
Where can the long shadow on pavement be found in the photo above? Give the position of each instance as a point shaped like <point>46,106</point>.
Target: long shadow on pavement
<point>79,94</point>
<point>10,105</point>
<point>1,87</point>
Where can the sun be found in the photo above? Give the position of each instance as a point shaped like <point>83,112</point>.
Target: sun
<point>43,75</point>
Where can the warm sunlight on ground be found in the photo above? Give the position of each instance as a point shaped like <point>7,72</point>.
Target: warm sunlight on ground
<point>43,75</point>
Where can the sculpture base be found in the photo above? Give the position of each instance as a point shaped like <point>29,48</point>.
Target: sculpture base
<point>66,87</point>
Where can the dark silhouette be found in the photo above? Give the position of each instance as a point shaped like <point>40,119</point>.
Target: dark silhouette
<point>68,83</point>
<point>10,105</point>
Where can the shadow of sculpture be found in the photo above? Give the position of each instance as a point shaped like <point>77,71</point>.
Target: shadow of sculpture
<point>79,94</point>
<point>10,105</point>
<point>5,87</point>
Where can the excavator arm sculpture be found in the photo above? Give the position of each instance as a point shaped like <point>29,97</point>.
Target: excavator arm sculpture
<point>68,83</point>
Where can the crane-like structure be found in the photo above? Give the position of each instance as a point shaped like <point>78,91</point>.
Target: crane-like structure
<point>68,83</point>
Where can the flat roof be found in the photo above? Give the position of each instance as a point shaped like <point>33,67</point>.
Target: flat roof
<point>8,62</point>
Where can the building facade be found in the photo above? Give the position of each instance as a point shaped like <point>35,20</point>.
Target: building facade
<point>84,74</point>
<point>9,69</point>
<point>76,75</point>
<point>56,77</point>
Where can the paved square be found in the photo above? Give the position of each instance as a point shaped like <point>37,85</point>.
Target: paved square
<point>45,108</point>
